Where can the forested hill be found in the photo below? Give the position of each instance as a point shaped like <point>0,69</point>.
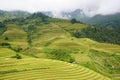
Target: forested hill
<point>13,14</point>
<point>109,20</point>
<point>100,34</point>
<point>41,37</point>
<point>112,20</point>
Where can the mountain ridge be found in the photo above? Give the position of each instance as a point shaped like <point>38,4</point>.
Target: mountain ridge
<point>110,20</point>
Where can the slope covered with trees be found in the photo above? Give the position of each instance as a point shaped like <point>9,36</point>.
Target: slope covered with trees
<point>112,20</point>
<point>13,14</point>
<point>100,34</point>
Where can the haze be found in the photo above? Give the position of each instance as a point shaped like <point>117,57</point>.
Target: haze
<point>91,7</point>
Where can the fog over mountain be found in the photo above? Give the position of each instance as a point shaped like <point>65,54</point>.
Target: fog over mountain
<point>90,7</point>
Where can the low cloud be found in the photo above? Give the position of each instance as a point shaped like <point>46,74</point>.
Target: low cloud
<point>91,7</point>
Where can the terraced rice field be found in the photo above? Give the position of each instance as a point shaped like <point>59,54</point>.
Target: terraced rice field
<point>44,69</point>
<point>5,52</point>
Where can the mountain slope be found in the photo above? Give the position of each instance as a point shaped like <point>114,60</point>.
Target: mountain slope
<point>112,20</point>
<point>13,14</point>
<point>77,14</point>
<point>39,36</point>
<point>45,69</point>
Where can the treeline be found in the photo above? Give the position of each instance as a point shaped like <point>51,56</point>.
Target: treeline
<point>4,15</point>
<point>2,27</point>
<point>34,19</point>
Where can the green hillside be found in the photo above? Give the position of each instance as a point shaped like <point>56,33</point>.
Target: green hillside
<point>111,20</point>
<point>39,38</point>
<point>44,69</point>
<point>13,14</point>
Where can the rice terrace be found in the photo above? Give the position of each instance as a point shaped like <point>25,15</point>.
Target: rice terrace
<point>47,41</point>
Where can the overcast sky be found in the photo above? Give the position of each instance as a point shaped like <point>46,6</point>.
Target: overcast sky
<point>96,6</point>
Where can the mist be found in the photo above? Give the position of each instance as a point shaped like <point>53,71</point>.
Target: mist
<point>90,7</point>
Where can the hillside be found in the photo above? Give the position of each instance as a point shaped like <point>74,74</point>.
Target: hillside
<point>45,69</point>
<point>13,14</point>
<point>39,37</point>
<point>109,20</point>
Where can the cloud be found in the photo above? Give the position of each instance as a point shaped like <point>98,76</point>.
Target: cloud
<point>109,7</point>
<point>89,6</point>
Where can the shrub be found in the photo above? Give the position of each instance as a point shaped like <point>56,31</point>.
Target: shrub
<point>5,44</point>
<point>19,49</point>
<point>6,38</point>
<point>17,56</point>
<point>72,60</point>
<point>60,54</point>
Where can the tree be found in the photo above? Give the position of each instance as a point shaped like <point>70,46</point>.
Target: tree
<point>2,25</point>
<point>73,21</point>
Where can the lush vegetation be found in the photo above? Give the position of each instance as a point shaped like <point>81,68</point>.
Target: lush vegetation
<point>13,14</point>
<point>2,27</point>
<point>45,69</point>
<point>100,34</point>
<point>107,35</point>
<point>60,54</point>
<point>112,20</point>
<point>17,56</point>
<point>27,44</point>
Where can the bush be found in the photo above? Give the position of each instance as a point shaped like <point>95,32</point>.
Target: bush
<point>73,21</point>
<point>17,56</point>
<point>72,60</point>
<point>6,38</point>
<point>19,49</point>
<point>60,54</point>
<point>5,44</point>
<point>16,49</point>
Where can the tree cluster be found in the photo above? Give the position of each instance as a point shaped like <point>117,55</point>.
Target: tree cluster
<point>60,54</point>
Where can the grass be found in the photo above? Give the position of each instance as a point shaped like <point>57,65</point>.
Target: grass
<point>56,35</point>
<point>45,69</point>
<point>105,63</point>
<point>5,52</point>
<point>16,37</point>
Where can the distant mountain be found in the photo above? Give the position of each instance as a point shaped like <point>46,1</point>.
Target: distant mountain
<point>112,20</point>
<point>13,14</point>
<point>48,13</point>
<point>77,14</point>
